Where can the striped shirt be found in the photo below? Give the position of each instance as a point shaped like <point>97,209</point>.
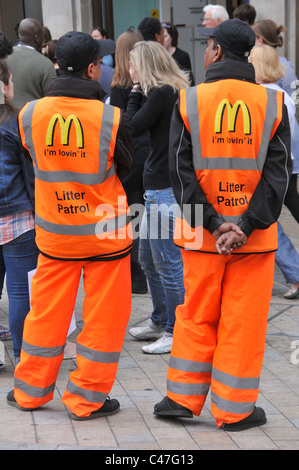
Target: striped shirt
<point>14,225</point>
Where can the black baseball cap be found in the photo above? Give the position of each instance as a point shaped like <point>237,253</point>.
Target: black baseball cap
<point>76,50</point>
<point>233,35</point>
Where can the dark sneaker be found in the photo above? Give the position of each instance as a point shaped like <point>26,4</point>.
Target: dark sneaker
<point>257,418</point>
<point>10,399</point>
<point>110,407</point>
<point>168,408</point>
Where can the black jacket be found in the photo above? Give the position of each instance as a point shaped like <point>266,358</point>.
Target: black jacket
<point>154,116</point>
<point>266,202</point>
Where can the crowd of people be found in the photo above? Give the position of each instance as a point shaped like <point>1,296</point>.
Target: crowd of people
<point>146,133</point>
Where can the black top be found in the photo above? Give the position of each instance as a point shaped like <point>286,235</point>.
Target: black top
<point>154,115</point>
<point>119,97</point>
<point>182,58</point>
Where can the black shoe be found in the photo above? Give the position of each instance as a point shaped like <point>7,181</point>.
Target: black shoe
<point>109,408</point>
<point>10,398</point>
<point>168,408</point>
<point>139,287</point>
<point>257,418</point>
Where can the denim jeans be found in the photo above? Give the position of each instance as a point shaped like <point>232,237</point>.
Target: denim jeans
<point>2,273</point>
<point>160,258</point>
<point>20,256</point>
<point>286,257</point>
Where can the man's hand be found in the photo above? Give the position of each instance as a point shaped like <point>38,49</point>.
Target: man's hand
<point>229,237</point>
<point>226,227</point>
<point>230,241</point>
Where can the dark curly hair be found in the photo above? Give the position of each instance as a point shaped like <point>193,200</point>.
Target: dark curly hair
<point>5,46</point>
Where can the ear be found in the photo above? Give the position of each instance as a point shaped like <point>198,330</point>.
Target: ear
<point>90,71</point>
<point>217,53</point>
<point>259,41</point>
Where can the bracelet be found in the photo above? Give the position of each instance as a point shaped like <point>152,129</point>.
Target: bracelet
<point>136,88</point>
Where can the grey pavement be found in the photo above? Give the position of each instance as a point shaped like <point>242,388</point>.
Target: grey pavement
<point>141,382</point>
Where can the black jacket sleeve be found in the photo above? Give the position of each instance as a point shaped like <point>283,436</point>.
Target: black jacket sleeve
<point>119,97</point>
<point>124,147</point>
<point>267,200</point>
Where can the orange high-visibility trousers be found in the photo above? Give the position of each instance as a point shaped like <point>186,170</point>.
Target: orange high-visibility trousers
<point>106,311</point>
<point>220,333</point>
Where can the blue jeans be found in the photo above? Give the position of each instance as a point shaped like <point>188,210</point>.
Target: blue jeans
<point>20,256</point>
<point>160,258</point>
<point>2,273</point>
<point>286,257</point>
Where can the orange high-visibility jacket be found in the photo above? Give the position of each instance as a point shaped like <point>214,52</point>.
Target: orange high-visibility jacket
<point>230,138</point>
<point>81,207</point>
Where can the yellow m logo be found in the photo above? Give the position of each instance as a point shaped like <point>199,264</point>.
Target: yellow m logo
<point>232,112</point>
<point>65,128</point>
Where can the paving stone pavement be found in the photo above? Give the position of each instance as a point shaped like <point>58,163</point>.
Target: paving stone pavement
<point>141,382</point>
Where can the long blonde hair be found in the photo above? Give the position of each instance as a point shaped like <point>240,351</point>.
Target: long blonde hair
<point>267,66</point>
<point>121,77</point>
<point>155,67</point>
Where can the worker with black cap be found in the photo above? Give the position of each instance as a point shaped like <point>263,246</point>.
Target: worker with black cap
<point>230,155</point>
<point>79,146</point>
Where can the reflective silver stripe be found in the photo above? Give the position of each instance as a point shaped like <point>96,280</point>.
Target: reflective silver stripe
<point>231,406</point>
<point>222,163</point>
<point>193,118</point>
<point>97,356</point>
<point>84,230</point>
<point>69,176</point>
<point>271,116</point>
<point>27,127</point>
<point>231,218</point>
<point>89,395</point>
<point>189,366</point>
<point>188,388</point>
<point>105,137</point>
<point>242,383</point>
<point>226,164</point>
<point>35,392</point>
<point>42,351</point>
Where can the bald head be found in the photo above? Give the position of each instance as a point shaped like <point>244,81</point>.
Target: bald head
<point>31,33</point>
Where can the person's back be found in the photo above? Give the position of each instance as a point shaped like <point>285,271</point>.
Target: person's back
<point>79,146</point>
<point>229,155</point>
<point>32,72</point>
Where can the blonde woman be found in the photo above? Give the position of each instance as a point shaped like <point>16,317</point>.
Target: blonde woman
<point>269,71</point>
<point>269,33</point>
<point>156,76</point>
<point>132,182</point>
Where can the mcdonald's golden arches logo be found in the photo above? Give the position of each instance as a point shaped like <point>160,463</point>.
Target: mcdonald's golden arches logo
<point>232,112</point>
<point>65,129</point>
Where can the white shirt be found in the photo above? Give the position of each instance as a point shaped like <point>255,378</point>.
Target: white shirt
<point>288,102</point>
